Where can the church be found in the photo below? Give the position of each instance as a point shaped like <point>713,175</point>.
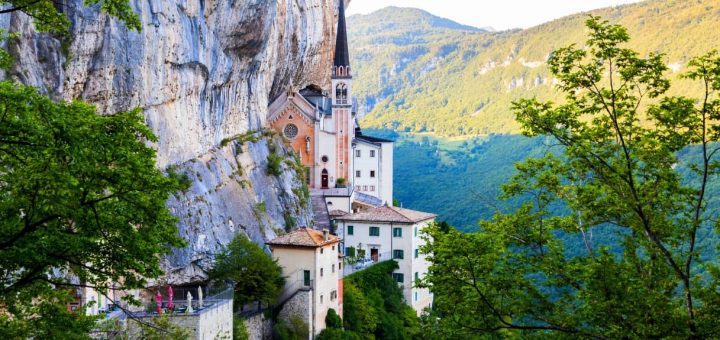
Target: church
<point>349,169</point>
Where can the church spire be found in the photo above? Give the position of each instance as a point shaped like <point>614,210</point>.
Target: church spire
<point>342,57</point>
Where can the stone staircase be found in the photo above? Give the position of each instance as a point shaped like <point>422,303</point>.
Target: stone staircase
<point>322,218</point>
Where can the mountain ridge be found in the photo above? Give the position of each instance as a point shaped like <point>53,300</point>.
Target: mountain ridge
<point>461,83</point>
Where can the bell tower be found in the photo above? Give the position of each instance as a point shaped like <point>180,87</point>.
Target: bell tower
<point>342,107</point>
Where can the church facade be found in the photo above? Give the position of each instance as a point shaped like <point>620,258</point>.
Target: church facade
<point>322,128</point>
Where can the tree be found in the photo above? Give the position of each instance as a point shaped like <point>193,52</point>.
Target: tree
<point>332,319</point>
<point>48,14</point>
<point>81,204</point>
<point>254,275</point>
<point>619,174</point>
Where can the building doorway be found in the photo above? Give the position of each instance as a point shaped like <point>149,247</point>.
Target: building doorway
<point>324,179</point>
<point>374,254</point>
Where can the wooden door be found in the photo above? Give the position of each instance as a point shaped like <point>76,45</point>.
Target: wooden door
<point>324,179</point>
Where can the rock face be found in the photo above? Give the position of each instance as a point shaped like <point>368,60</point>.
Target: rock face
<point>202,71</point>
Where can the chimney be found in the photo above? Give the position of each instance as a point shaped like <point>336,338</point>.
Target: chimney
<point>326,234</point>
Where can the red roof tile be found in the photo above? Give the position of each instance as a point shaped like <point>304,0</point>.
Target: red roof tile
<point>304,237</point>
<point>389,214</point>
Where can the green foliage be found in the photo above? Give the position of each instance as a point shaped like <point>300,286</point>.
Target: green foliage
<point>290,221</point>
<point>296,329</point>
<point>332,319</point>
<point>80,195</point>
<point>274,166</point>
<point>48,18</point>
<point>419,74</point>
<point>160,328</point>
<point>240,331</point>
<point>359,315</point>
<point>182,179</point>
<point>340,182</point>
<point>373,305</point>
<point>514,276</point>
<point>254,275</point>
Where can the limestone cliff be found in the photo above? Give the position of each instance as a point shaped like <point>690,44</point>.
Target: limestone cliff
<point>203,71</point>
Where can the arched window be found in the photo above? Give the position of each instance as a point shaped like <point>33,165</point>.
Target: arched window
<point>341,94</point>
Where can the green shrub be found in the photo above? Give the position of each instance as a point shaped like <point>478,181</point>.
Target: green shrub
<point>332,319</point>
<point>340,182</point>
<point>240,331</point>
<point>274,166</point>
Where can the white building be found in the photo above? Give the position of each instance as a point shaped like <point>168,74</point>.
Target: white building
<point>311,263</point>
<point>373,166</point>
<point>385,233</point>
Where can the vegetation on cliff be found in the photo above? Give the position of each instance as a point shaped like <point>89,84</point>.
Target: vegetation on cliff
<point>514,276</point>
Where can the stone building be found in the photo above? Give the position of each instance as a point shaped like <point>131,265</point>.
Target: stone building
<point>311,265</point>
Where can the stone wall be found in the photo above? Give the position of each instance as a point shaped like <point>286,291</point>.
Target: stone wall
<point>214,322</point>
<point>258,327</point>
<point>299,304</point>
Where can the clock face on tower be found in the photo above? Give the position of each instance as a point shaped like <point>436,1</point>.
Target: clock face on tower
<point>290,131</point>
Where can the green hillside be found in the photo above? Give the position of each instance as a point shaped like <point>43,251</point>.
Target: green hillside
<point>419,73</point>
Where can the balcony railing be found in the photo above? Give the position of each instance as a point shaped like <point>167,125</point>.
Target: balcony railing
<point>352,266</point>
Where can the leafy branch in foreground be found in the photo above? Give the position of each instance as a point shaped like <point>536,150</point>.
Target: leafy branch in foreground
<point>49,16</point>
<point>81,203</point>
<point>619,174</point>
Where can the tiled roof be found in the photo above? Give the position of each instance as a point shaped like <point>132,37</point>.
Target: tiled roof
<point>303,237</point>
<point>336,213</point>
<point>389,214</point>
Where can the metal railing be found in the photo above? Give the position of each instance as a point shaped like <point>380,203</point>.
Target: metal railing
<point>351,265</point>
<point>180,304</point>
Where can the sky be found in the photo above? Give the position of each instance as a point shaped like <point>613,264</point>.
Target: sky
<point>498,14</point>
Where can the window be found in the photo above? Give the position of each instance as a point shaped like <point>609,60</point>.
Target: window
<point>417,276</point>
<point>306,277</point>
<point>350,251</point>
<point>372,173</point>
<point>397,232</point>
<point>357,173</point>
<point>321,299</point>
<point>357,153</point>
<point>351,230</point>
<point>333,247</point>
<point>398,277</point>
<point>415,232</point>
<point>340,266</point>
<point>372,188</point>
<point>398,254</point>
<point>290,131</point>
<point>307,176</point>
<point>374,231</point>
<point>333,295</point>
<point>417,252</point>
<point>321,272</point>
<point>372,153</point>
<point>415,296</point>
<point>365,188</point>
<point>321,250</point>
<point>333,269</point>
<point>341,94</point>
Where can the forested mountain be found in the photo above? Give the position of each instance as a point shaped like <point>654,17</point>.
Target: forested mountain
<point>416,72</point>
